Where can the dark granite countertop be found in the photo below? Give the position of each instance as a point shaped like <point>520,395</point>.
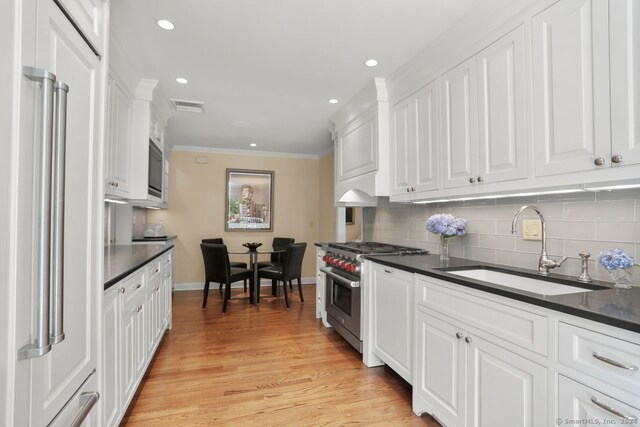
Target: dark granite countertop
<point>122,260</point>
<point>615,307</point>
<point>154,239</point>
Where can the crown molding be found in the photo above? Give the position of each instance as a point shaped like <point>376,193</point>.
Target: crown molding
<point>196,149</point>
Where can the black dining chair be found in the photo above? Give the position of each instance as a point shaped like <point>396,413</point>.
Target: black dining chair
<point>276,257</point>
<point>217,268</point>
<point>236,264</point>
<point>291,268</point>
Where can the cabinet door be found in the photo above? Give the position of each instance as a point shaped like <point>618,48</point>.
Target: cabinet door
<point>56,376</point>
<point>424,113</point>
<point>625,80</point>
<point>503,388</point>
<point>128,352</point>
<point>87,15</point>
<point>392,309</point>
<point>440,369</point>
<point>571,86</point>
<point>502,137</point>
<point>579,402</point>
<point>141,331</point>
<point>120,138</point>
<point>401,150</point>
<point>357,148</point>
<point>110,395</point>
<point>459,124</point>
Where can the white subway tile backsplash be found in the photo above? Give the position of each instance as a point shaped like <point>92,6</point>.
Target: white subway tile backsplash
<point>601,211</point>
<point>618,231</point>
<point>497,242</point>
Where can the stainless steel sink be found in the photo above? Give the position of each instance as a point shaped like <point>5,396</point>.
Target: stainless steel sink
<point>519,281</point>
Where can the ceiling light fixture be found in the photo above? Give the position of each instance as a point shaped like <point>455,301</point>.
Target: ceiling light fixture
<point>371,62</point>
<point>182,80</point>
<point>253,144</point>
<point>118,202</point>
<point>333,101</point>
<point>165,24</point>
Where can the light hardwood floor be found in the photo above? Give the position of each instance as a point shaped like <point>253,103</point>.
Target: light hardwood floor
<point>263,366</point>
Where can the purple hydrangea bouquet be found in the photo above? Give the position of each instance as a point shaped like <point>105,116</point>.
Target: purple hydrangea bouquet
<point>618,263</point>
<point>446,225</point>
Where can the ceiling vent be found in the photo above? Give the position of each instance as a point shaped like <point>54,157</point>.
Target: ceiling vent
<point>188,106</point>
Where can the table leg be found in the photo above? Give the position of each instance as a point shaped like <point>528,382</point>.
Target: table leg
<point>256,284</point>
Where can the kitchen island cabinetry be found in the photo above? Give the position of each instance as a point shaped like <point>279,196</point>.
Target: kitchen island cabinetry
<point>389,297</point>
<point>136,312</point>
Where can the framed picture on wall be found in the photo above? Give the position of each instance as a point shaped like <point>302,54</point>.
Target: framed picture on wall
<point>249,200</point>
<point>348,216</point>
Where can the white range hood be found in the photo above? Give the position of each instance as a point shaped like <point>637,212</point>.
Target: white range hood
<point>361,146</point>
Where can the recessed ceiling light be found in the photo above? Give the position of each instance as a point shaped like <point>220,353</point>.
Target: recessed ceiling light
<point>165,25</point>
<point>182,80</point>
<point>240,123</point>
<point>253,144</point>
<point>333,101</point>
<point>371,62</point>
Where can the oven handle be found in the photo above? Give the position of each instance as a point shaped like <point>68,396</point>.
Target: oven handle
<point>353,284</point>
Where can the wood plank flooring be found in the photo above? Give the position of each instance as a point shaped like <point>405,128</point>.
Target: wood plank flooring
<point>263,366</point>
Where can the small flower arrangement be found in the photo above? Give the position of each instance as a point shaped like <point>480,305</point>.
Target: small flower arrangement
<point>446,225</point>
<point>617,262</point>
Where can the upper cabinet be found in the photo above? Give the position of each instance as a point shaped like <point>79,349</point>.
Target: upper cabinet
<point>361,135</point>
<point>118,141</point>
<point>483,116</point>
<point>570,87</point>
<point>414,142</point>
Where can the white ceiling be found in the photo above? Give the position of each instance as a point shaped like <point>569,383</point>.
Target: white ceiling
<point>272,63</point>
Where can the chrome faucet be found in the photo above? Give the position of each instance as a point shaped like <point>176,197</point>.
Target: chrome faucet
<point>544,262</point>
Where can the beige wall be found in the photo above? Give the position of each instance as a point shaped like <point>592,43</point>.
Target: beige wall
<point>196,206</point>
<point>327,209</point>
<point>354,231</point>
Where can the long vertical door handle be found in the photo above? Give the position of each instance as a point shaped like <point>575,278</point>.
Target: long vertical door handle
<point>57,235</point>
<point>41,345</point>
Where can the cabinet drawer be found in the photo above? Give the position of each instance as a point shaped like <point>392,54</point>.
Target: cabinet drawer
<point>579,402</point>
<point>510,324</point>
<point>133,286</point>
<point>606,358</point>
<point>153,268</point>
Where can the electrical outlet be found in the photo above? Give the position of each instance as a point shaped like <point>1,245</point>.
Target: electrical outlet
<point>531,229</point>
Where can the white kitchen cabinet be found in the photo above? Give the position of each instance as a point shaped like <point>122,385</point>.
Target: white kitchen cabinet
<point>111,354</point>
<point>118,143</point>
<point>571,87</point>
<point>483,116</point>
<point>390,312</point>
<point>576,401</point>
<point>502,134</point>
<point>414,142</point>
<point>459,111</point>
<point>136,312</point>
<point>463,379</point>
<point>624,54</point>
<point>321,312</point>
<point>357,147</point>
<point>88,16</point>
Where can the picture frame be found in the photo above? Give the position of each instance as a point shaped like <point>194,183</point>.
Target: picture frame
<point>248,200</point>
<point>348,216</point>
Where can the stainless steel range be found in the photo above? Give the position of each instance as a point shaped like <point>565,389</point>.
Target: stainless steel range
<point>343,270</point>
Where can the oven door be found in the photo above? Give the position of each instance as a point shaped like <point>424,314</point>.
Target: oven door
<point>343,305</point>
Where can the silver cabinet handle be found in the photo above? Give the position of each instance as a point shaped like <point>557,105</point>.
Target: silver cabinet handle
<point>156,289</point>
<point>458,335</point>
<point>57,274</point>
<point>616,158</point>
<point>42,345</point>
<point>613,411</point>
<point>123,290</point>
<point>388,271</point>
<point>88,401</point>
<point>599,161</point>
<point>614,363</point>
<point>480,179</point>
<point>137,309</point>
<point>138,286</point>
<point>472,180</point>
<point>468,340</point>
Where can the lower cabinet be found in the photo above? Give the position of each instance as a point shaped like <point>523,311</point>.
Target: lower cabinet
<point>136,312</point>
<point>466,380</point>
<point>390,312</point>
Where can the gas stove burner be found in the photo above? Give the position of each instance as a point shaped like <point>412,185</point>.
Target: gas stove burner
<point>376,248</point>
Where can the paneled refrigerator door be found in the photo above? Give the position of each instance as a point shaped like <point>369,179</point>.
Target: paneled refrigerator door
<point>63,312</point>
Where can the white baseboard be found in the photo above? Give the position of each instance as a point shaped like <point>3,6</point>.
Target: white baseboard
<point>198,286</point>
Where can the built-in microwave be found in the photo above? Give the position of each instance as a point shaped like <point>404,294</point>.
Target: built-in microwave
<point>155,170</point>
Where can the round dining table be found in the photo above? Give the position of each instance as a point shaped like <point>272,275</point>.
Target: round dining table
<point>253,256</point>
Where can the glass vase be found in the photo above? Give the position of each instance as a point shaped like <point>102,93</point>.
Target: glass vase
<point>621,278</point>
<point>444,248</point>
